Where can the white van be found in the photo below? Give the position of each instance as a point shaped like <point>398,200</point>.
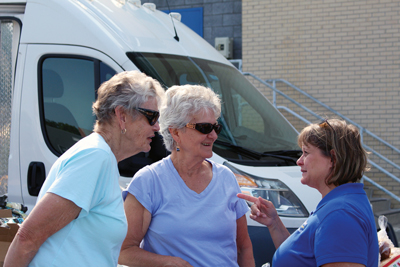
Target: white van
<point>56,53</point>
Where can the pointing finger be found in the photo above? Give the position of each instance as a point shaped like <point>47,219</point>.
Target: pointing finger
<point>247,197</point>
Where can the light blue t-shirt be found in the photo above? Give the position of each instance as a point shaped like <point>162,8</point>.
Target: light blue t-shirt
<point>87,174</point>
<point>199,228</point>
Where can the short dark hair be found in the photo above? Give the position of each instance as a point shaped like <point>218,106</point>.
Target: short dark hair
<point>342,142</point>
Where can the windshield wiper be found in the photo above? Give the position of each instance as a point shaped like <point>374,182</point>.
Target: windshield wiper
<point>245,151</point>
<point>290,153</point>
<point>254,154</point>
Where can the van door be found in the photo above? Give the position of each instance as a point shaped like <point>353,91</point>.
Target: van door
<point>58,89</point>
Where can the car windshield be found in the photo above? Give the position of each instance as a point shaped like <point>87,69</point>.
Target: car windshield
<point>253,130</point>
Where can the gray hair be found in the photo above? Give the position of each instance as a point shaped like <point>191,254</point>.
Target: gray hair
<point>128,89</point>
<point>182,104</point>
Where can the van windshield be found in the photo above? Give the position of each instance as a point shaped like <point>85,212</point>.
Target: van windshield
<point>252,128</point>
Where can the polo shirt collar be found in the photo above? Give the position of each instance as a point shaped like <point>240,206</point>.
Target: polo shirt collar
<point>341,190</point>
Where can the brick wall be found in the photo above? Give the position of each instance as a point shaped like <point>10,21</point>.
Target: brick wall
<point>344,53</point>
<point>221,18</point>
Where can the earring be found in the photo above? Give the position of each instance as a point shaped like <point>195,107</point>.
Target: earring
<point>177,149</point>
<point>123,131</point>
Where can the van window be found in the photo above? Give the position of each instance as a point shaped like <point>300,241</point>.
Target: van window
<point>253,130</point>
<point>68,90</point>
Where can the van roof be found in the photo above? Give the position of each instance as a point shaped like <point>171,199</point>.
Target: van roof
<point>12,2</point>
<point>111,26</point>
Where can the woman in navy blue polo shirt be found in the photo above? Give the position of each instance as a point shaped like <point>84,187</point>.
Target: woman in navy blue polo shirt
<point>341,231</point>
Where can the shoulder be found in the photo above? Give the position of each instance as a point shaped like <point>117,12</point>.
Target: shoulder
<point>93,145</point>
<point>346,208</point>
<point>150,180</point>
<point>224,175</point>
<point>93,142</point>
<point>348,221</point>
<point>217,167</point>
<point>356,204</point>
<point>88,156</point>
<point>153,173</point>
<point>160,167</point>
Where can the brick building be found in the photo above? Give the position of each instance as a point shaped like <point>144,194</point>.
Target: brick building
<point>344,53</point>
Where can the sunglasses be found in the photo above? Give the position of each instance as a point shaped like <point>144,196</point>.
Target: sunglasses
<point>326,123</point>
<point>205,128</point>
<point>151,115</point>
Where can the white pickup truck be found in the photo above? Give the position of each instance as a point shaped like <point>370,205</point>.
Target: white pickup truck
<point>54,54</point>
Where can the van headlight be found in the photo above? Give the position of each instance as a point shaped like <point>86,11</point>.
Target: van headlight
<point>285,201</point>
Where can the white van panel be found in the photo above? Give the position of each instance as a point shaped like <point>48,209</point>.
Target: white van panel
<point>32,146</point>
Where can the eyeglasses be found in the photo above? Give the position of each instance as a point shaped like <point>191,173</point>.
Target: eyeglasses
<point>151,115</point>
<point>205,128</point>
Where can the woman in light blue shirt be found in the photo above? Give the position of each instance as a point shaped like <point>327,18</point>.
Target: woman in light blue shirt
<point>184,207</point>
<point>79,218</point>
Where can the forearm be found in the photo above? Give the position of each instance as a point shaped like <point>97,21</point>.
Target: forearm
<point>278,232</point>
<point>135,256</point>
<point>245,257</point>
<point>20,253</point>
<point>50,215</point>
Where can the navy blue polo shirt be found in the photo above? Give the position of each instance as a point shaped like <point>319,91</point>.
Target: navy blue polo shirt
<point>341,229</point>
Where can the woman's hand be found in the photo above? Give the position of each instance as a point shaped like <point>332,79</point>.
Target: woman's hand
<point>262,211</point>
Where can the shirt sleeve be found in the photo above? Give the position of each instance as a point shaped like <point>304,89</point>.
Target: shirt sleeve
<point>78,178</point>
<point>341,237</point>
<point>241,209</point>
<point>241,206</point>
<point>140,187</point>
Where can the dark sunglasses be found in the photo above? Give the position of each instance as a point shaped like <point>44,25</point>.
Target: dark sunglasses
<point>151,115</point>
<point>205,128</point>
<point>326,123</point>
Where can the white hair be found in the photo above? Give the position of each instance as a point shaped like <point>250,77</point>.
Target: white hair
<point>182,104</point>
